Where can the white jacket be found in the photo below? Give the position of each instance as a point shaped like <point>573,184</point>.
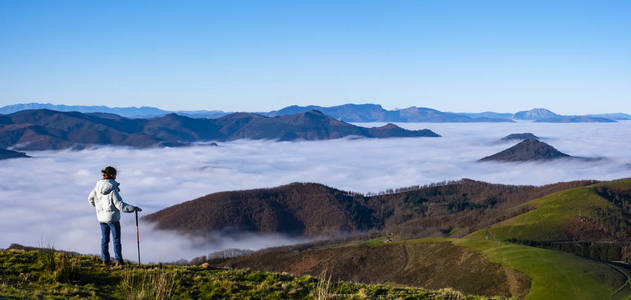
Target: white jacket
<point>108,201</point>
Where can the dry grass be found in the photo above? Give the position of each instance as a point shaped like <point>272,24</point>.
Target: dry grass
<point>66,269</point>
<point>152,284</point>
<point>323,288</point>
<point>63,268</point>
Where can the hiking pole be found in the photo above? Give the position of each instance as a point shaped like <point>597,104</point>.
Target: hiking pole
<point>137,237</point>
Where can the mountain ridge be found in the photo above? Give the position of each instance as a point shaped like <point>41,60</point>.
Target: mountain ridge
<point>52,130</point>
<point>346,112</point>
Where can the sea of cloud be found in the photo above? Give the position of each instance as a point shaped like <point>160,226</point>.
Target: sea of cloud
<point>44,199</point>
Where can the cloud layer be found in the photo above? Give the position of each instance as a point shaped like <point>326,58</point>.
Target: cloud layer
<point>44,199</point>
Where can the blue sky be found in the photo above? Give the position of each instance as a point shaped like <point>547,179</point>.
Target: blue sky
<point>572,57</point>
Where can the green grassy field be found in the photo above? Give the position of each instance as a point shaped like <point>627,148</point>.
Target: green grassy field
<point>553,214</point>
<point>554,274</point>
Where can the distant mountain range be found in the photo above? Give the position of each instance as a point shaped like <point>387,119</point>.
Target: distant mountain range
<point>128,112</point>
<point>44,129</point>
<point>543,115</point>
<point>614,116</point>
<point>376,113</point>
<point>346,113</point>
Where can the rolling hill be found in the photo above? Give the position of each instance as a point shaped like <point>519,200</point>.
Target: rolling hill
<point>298,209</point>
<point>599,212</point>
<point>309,209</point>
<point>483,266</point>
<point>505,256</point>
<point>427,263</point>
<point>502,252</point>
<point>52,130</point>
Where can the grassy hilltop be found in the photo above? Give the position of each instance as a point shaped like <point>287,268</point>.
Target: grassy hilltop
<point>46,274</point>
<point>595,212</point>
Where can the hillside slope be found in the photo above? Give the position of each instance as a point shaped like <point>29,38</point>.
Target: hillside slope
<point>423,263</point>
<point>479,265</point>
<point>555,274</point>
<point>298,208</point>
<point>596,212</point>
<point>316,210</point>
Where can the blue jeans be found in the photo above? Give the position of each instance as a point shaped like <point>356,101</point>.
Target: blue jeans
<point>115,228</point>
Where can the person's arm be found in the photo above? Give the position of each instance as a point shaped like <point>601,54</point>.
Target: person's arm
<point>91,197</point>
<point>122,206</point>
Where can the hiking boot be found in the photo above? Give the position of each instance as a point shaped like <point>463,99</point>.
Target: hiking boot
<point>119,264</point>
<point>106,263</point>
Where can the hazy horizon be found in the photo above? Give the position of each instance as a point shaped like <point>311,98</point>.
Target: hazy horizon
<point>279,108</point>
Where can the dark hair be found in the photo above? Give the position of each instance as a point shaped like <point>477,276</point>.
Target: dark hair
<point>109,172</point>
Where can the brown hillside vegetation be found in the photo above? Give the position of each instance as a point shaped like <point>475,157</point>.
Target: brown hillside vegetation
<point>308,209</point>
<point>298,208</point>
<point>489,261</point>
<point>410,263</point>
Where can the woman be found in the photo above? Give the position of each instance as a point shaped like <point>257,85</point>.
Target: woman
<point>108,202</point>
